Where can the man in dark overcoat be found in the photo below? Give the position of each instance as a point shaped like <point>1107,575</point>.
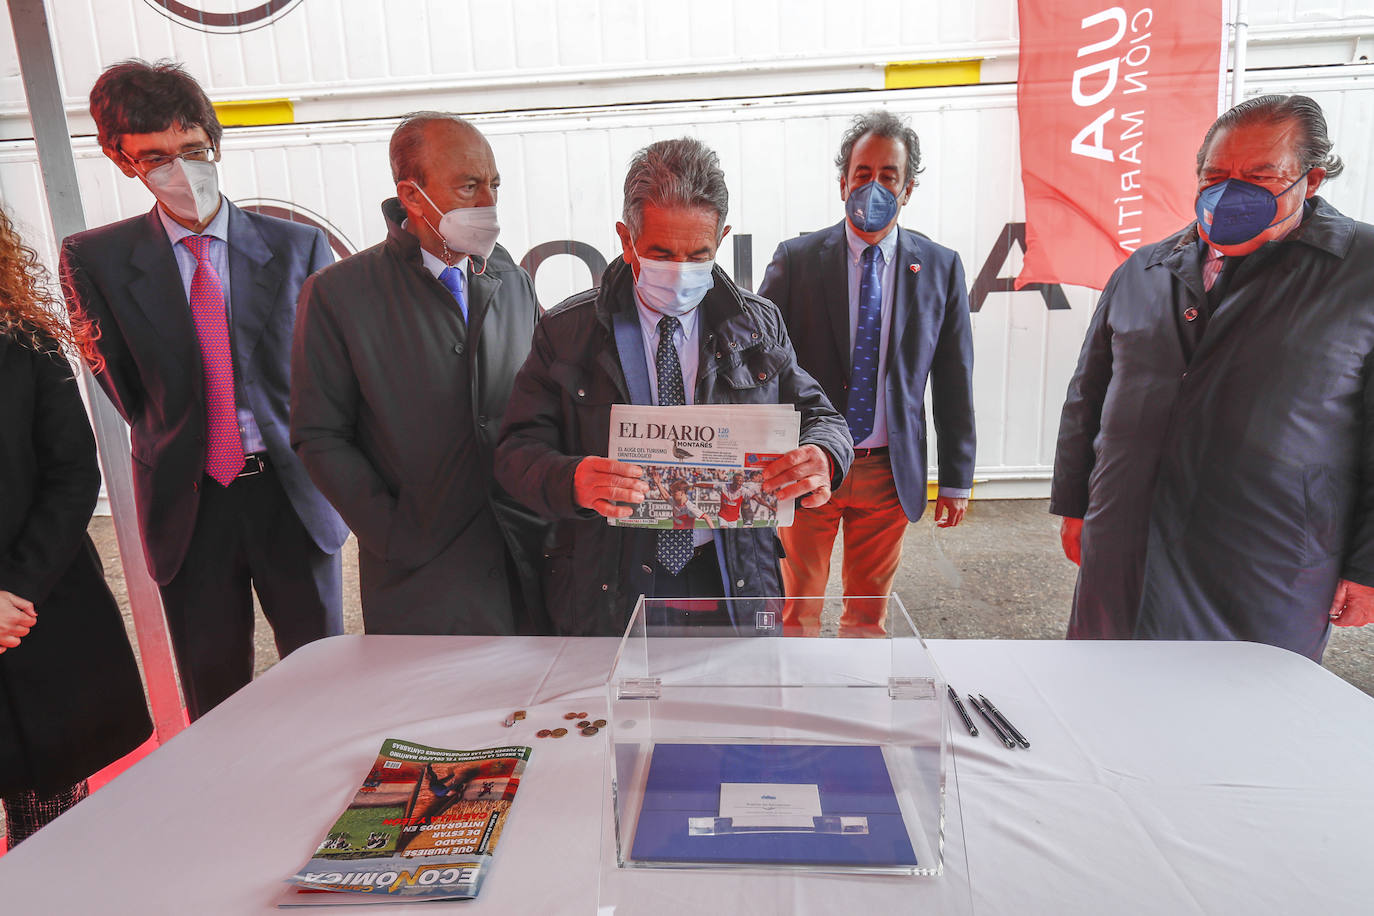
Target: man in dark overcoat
<point>403,362</point>
<point>1215,466</point>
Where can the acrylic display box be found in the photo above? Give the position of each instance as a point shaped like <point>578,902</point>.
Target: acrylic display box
<point>739,743</point>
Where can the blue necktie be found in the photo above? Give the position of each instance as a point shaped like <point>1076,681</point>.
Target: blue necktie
<point>674,547</point>
<point>456,282</point>
<point>863,379</point>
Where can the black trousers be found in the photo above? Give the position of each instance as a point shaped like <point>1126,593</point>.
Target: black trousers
<point>700,582</point>
<point>247,538</point>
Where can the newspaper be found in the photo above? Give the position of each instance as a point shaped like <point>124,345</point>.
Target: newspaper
<point>422,827</point>
<point>704,464</point>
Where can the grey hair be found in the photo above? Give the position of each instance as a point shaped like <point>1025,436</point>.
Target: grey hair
<point>408,142</point>
<point>1313,149</point>
<point>884,124</point>
<point>681,173</point>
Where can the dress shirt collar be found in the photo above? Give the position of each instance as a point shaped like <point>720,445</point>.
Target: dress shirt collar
<point>433,263</point>
<point>218,228</point>
<point>648,320</point>
<point>887,244</point>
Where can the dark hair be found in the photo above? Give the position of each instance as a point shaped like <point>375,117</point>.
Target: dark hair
<point>884,124</point>
<point>408,143</point>
<point>1314,149</point>
<point>675,173</point>
<point>136,97</point>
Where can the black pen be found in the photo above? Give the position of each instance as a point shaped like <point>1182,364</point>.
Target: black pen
<point>1020,738</point>
<point>1006,739</point>
<point>963,713</point>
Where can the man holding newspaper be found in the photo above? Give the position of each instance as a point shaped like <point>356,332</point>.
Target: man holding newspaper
<point>665,329</point>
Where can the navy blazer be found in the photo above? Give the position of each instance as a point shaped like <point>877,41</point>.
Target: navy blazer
<point>931,338</point>
<point>125,277</point>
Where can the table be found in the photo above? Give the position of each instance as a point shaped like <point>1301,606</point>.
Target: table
<point>1173,778</point>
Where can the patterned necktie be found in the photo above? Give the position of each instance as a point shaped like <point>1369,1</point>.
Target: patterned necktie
<point>456,282</point>
<point>863,381</point>
<point>223,446</point>
<point>674,547</point>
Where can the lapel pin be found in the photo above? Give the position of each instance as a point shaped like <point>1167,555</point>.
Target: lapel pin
<point>915,268</point>
<point>1190,314</point>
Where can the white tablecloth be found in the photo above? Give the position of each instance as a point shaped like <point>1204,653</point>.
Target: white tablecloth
<point>1178,778</point>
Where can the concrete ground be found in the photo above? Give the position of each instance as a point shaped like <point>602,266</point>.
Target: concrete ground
<point>999,575</point>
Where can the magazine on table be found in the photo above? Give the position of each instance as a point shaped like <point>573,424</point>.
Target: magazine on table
<point>422,826</point>
<point>704,463</point>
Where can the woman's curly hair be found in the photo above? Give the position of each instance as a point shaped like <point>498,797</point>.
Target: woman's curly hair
<point>30,312</point>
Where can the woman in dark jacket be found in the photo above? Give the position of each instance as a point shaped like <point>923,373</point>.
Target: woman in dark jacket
<point>71,700</point>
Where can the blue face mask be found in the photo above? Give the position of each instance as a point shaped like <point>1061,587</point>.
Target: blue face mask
<point>870,207</point>
<point>1233,211</point>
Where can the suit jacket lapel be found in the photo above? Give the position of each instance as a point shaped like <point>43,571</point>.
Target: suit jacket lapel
<point>254,279</point>
<point>834,265</point>
<point>907,279</point>
<point>156,289</point>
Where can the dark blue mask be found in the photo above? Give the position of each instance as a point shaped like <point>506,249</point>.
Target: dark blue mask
<point>1233,211</point>
<point>870,207</point>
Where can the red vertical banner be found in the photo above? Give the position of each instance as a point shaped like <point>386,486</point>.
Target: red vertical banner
<point>1113,103</point>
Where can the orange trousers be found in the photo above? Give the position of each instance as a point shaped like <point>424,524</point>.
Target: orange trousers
<point>874,525</point>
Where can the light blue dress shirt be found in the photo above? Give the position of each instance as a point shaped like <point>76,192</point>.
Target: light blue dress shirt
<point>218,230</point>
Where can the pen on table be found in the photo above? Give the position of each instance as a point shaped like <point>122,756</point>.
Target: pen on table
<point>963,713</point>
<point>1006,739</point>
<point>1020,738</point>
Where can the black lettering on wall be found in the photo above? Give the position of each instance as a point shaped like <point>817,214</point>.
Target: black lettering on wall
<point>989,282</point>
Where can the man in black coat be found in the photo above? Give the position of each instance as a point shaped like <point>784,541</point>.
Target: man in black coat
<point>403,362</point>
<point>667,307</point>
<point>1215,466</point>
<point>194,303</point>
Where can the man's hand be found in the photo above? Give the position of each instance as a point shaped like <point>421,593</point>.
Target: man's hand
<point>1353,605</point>
<point>1070,535</point>
<point>601,484</point>
<point>17,617</point>
<point>803,472</point>
<point>952,508</point>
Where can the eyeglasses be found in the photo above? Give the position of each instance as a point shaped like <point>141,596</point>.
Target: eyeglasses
<point>148,163</point>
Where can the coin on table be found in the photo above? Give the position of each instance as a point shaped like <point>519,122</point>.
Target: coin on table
<point>572,715</point>
<point>584,723</point>
<point>543,733</point>
<point>590,730</point>
<point>559,732</point>
<point>582,715</point>
<point>600,723</point>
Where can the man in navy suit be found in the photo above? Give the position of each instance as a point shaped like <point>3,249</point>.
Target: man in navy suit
<point>874,311</point>
<point>195,303</point>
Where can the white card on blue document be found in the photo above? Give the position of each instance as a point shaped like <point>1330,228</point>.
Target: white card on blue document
<point>767,804</point>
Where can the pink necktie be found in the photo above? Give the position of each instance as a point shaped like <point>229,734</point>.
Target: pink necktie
<point>223,447</point>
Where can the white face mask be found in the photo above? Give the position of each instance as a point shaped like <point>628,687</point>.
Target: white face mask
<point>466,230</point>
<point>187,188</point>
<point>673,287</point>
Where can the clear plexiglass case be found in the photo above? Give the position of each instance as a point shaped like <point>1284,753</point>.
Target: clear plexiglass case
<point>739,740</point>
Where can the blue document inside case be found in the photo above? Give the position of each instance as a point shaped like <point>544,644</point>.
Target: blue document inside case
<point>684,782</point>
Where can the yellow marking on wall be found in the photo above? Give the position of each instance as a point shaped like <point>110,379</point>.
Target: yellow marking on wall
<point>919,74</point>
<point>255,112</point>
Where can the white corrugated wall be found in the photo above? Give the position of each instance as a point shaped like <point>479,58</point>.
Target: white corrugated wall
<point>568,90</point>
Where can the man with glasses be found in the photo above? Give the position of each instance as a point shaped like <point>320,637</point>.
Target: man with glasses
<point>195,302</point>
<point>1215,467</point>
